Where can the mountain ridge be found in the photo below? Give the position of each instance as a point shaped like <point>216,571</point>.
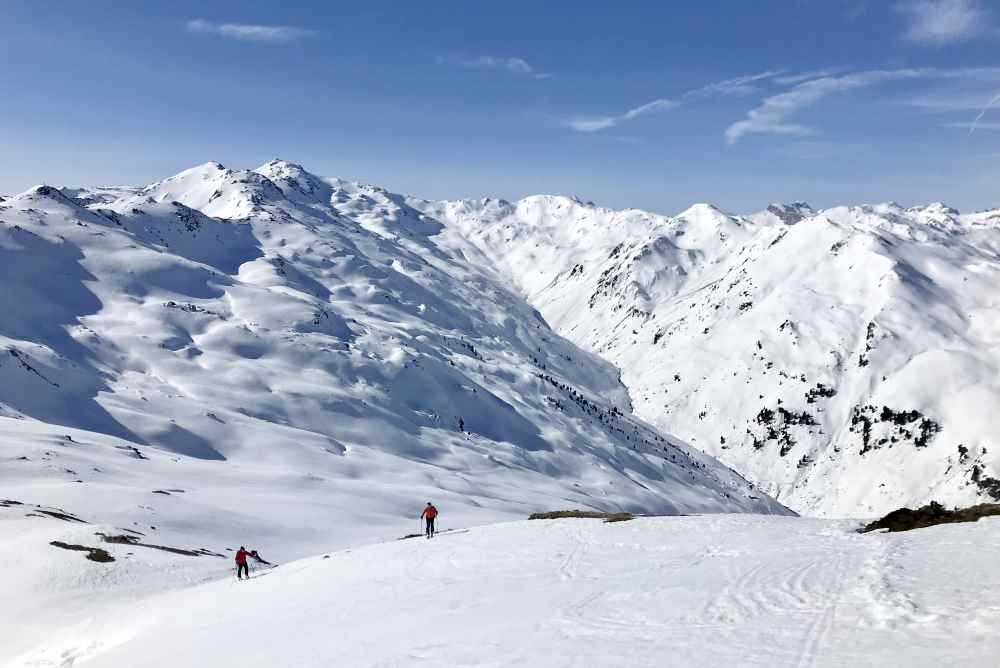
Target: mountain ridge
<point>651,293</point>
<point>669,300</point>
<point>231,315</point>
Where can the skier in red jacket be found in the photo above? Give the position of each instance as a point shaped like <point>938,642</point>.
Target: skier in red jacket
<point>241,563</point>
<point>430,512</point>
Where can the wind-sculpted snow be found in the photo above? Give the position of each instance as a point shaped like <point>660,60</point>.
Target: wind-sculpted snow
<point>845,360</point>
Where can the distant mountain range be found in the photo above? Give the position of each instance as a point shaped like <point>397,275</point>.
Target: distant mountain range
<point>845,360</point>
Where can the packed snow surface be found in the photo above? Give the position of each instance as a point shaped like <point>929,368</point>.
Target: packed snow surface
<point>724,590</point>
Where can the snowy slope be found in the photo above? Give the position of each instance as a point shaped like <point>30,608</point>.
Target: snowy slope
<point>846,360</point>
<point>232,356</point>
<point>235,315</point>
<point>725,590</point>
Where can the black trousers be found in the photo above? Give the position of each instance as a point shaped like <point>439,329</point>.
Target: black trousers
<point>430,526</point>
<point>242,568</point>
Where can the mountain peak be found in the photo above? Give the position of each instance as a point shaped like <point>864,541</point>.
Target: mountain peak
<point>939,208</point>
<point>48,191</point>
<point>790,213</point>
<point>702,210</point>
<point>280,166</point>
<point>45,192</point>
<point>294,181</point>
<point>203,172</point>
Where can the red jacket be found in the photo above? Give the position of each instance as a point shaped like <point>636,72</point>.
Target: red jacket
<point>430,512</point>
<point>241,557</point>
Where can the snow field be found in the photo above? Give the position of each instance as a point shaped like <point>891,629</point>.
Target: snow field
<point>739,590</point>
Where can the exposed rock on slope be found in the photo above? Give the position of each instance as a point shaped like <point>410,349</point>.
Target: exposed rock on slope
<point>846,360</point>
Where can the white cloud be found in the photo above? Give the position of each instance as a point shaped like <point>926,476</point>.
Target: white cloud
<point>980,102</point>
<point>594,123</point>
<point>737,86</point>
<point>939,22</point>
<point>771,116</point>
<point>248,32</point>
<point>791,79</point>
<point>517,66</point>
<point>972,125</point>
<point>945,102</point>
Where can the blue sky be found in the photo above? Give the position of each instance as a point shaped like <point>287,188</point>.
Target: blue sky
<point>654,105</point>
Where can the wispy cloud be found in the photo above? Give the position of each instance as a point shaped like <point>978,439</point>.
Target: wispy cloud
<point>249,32</point>
<point>773,114</point>
<point>518,66</point>
<point>737,86</point>
<point>771,117</point>
<point>594,123</point>
<point>972,125</point>
<point>979,102</point>
<point>791,79</point>
<point>948,102</point>
<point>939,22</point>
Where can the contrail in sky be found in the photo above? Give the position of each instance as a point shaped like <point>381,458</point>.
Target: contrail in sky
<point>989,105</point>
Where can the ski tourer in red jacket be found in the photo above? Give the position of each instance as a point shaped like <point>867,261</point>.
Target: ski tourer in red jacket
<point>241,563</point>
<point>430,512</point>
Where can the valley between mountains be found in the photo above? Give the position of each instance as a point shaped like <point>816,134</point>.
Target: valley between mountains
<point>296,363</point>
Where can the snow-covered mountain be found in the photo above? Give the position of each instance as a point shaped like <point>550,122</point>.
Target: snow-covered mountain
<point>843,360</point>
<point>265,357</point>
<point>846,360</point>
<point>268,317</point>
<point>297,364</point>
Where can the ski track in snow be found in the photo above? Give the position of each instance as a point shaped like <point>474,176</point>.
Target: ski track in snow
<point>783,592</point>
<point>740,590</point>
